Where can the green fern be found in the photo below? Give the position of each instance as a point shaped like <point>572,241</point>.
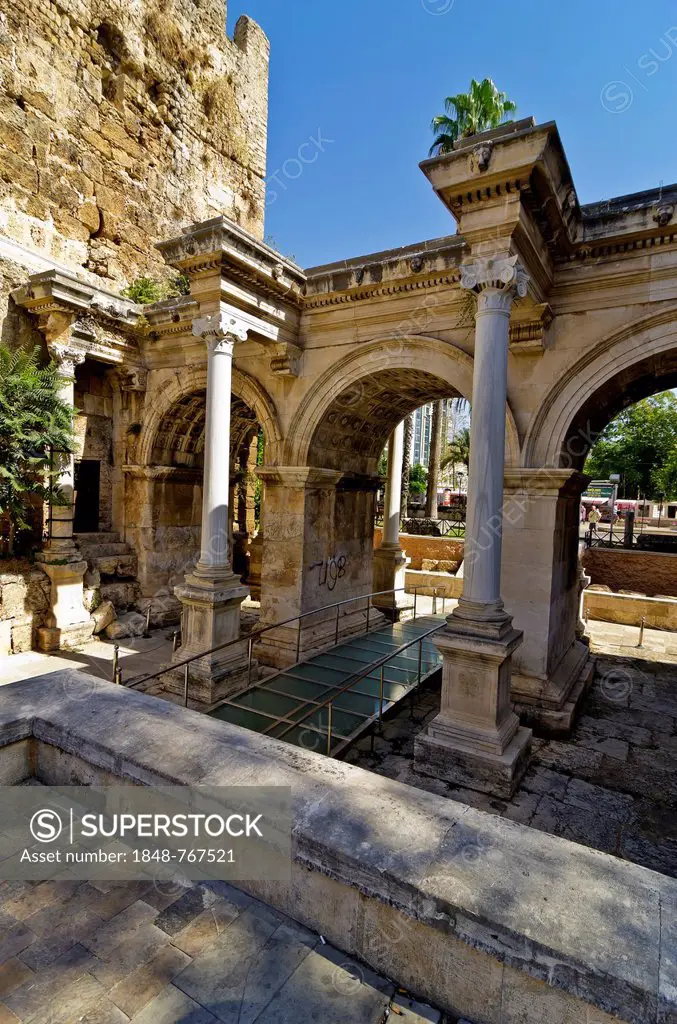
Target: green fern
<point>35,435</point>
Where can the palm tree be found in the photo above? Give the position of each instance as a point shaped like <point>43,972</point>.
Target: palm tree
<point>457,451</point>
<point>469,113</point>
<point>406,462</point>
<point>434,460</point>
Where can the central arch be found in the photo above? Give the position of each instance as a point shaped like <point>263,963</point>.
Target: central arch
<point>376,387</point>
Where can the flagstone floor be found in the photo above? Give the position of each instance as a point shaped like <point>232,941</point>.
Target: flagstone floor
<point>108,953</point>
<point>612,785</point>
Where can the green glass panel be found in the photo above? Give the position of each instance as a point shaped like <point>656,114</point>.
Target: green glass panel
<point>263,700</point>
<point>301,688</point>
<point>241,716</point>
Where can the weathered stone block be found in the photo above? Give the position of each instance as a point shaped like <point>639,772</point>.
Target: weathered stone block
<point>103,616</point>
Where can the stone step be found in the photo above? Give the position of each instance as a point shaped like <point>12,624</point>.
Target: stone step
<point>91,550</point>
<point>123,593</point>
<point>124,566</point>
<point>109,537</point>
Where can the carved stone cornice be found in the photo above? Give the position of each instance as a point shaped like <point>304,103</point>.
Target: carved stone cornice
<point>286,359</point>
<point>299,477</point>
<point>220,244</point>
<point>527,333</point>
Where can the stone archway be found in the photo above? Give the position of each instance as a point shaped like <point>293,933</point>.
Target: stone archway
<point>391,375</point>
<point>624,367</point>
<point>541,514</point>
<point>164,486</point>
<point>193,380</point>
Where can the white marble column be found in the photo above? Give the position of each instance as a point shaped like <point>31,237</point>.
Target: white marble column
<point>221,333</point>
<point>389,559</point>
<point>495,282</point>
<point>212,593</point>
<point>476,739</point>
<point>68,622</point>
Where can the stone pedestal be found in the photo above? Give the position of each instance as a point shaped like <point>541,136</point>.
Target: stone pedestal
<point>211,617</point>
<point>476,741</point>
<point>68,623</point>
<point>388,573</point>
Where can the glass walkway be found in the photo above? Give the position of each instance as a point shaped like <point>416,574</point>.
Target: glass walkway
<point>325,702</point>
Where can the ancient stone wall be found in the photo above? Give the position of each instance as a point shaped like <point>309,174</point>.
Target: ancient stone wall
<point>644,572</point>
<point>24,601</point>
<point>432,549</point>
<point>122,122</point>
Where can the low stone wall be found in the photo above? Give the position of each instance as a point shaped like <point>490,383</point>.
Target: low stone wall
<point>652,573</point>
<point>630,609</point>
<point>24,603</point>
<point>484,917</point>
<point>436,549</point>
<point>431,584</point>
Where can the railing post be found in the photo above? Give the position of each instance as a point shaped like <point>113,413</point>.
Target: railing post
<point>394,604</point>
<point>641,632</point>
<point>435,602</point>
<point>368,607</point>
<point>146,631</point>
<point>175,640</point>
<point>185,685</point>
<point>420,660</point>
<point>415,596</point>
<point>380,699</point>
<point>336,635</point>
<point>116,655</point>
<point>329,725</point>
<point>298,641</point>
<point>444,602</point>
<point>250,647</point>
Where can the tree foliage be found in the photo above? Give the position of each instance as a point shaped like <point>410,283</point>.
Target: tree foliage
<point>418,479</point>
<point>641,445</point>
<point>34,423</point>
<point>458,450</point>
<point>469,113</point>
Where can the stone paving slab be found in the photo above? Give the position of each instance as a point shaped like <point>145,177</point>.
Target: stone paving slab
<point>611,786</point>
<point>207,953</point>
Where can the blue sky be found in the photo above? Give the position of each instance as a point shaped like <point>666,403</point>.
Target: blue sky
<point>370,75</point>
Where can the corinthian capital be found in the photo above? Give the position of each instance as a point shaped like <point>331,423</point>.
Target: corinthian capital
<point>501,276</point>
<point>66,356</point>
<point>219,329</point>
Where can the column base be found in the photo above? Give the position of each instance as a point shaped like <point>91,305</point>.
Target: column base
<point>552,705</point>
<point>498,774</point>
<point>207,688</point>
<point>476,740</point>
<point>388,573</point>
<point>67,638</point>
<point>210,618</point>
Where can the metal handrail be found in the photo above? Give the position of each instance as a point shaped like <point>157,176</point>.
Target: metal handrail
<point>354,680</point>
<point>253,636</point>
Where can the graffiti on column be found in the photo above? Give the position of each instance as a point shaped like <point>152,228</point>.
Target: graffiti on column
<point>331,570</point>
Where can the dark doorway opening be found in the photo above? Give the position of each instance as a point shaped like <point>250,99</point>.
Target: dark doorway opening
<point>87,479</point>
